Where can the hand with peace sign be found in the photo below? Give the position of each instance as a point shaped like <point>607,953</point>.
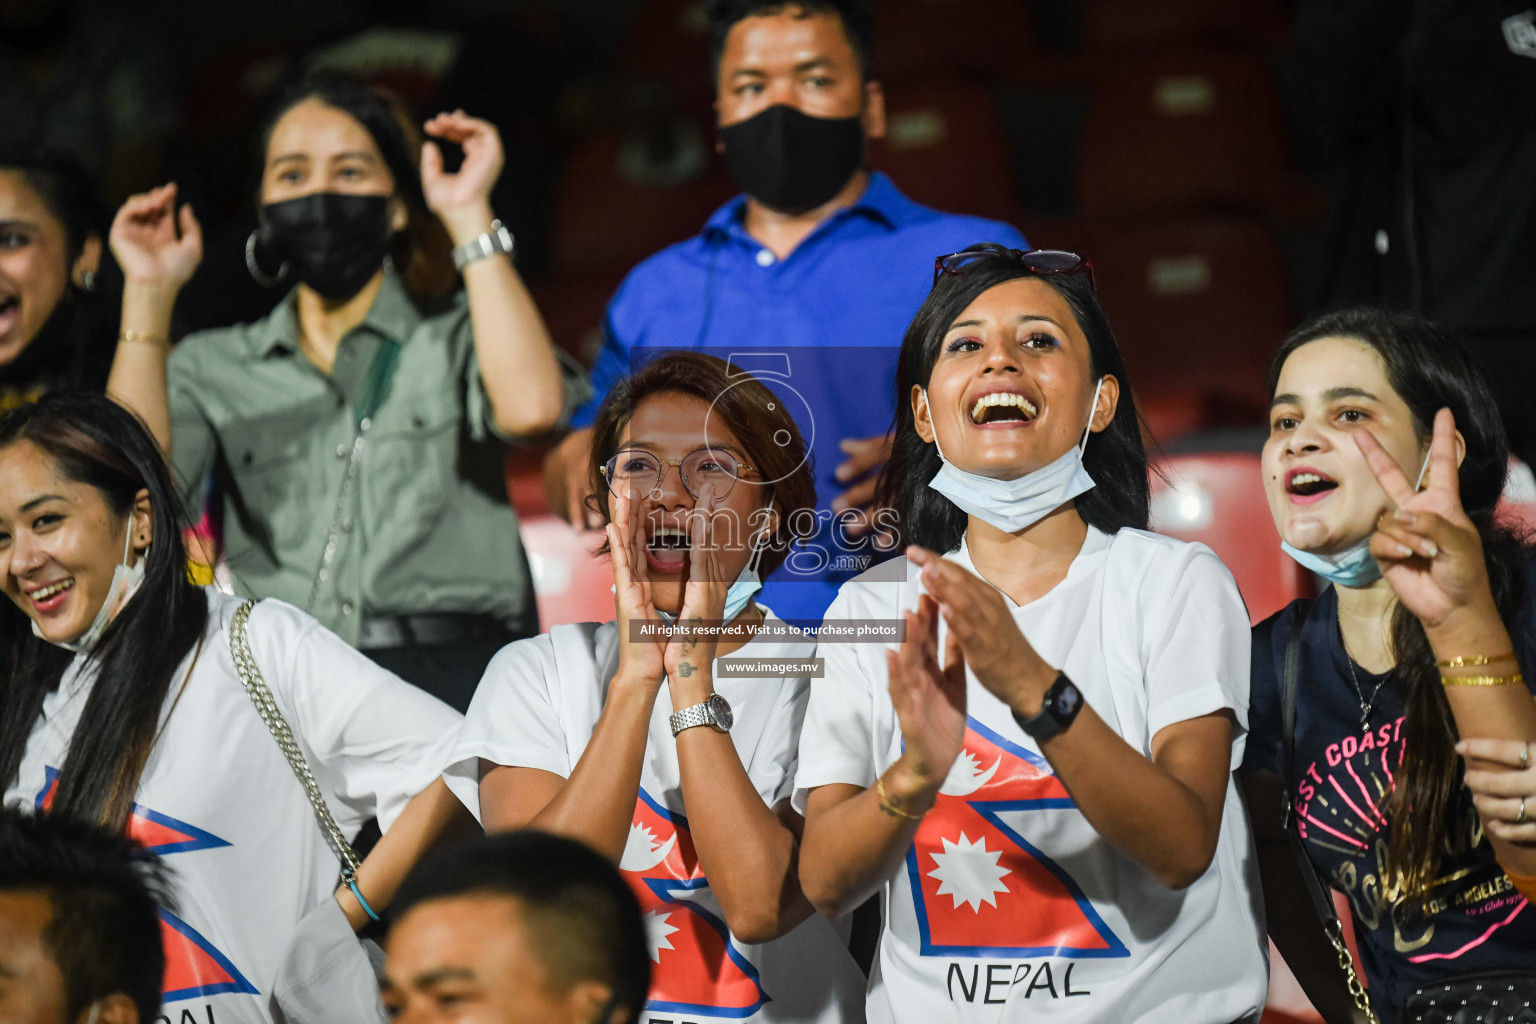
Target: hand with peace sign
<point>1428,550</point>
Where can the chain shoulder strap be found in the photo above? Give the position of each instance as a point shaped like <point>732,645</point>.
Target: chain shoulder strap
<point>1322,899</point>
<point>266,706</point>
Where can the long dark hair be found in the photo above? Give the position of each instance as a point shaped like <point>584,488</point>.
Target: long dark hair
<point>422,251</point>
<point>95,441</point>
<point>75,344</point>
<point>1431,371</point>
<point>1115,457</point>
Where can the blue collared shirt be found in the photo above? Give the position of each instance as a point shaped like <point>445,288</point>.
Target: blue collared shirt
<point>832,313</point>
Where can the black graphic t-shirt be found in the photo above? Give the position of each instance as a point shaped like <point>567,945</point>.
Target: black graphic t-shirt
<point>1339,784</point>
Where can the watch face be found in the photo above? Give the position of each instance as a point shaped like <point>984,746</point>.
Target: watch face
<point>1068,700</point>
<point>722,712</point>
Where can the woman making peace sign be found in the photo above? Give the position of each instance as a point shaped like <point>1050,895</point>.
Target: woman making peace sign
<point>1420,640</point>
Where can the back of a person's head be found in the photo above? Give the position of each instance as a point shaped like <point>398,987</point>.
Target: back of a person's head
<point>581,914</point>
<point>104,892</point>
<point>857,16</point>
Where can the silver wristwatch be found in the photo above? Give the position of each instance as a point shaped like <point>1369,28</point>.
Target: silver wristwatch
<point>496,240</point>
<point>715,712</point>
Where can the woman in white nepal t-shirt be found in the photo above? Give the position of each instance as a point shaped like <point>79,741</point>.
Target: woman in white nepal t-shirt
<point>673,763</point>
<point>124,706</point>
<point>1096,865</point>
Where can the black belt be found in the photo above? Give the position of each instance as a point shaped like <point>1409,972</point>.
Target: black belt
<point>428,629</point>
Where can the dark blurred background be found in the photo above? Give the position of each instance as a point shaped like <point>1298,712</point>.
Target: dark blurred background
<point>1182,144</point>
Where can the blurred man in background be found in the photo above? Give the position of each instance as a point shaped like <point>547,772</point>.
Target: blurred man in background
<point>514,928</point>
<point>819,264</point>
<point>79,924</point>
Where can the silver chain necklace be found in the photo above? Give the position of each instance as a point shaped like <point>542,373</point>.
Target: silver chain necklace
<point>1366,706</point>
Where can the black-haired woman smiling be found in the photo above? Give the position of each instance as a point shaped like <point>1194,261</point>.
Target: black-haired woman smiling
<point>357,428</point>
<point>1039,778</point>
<point>1384,463</point>
<point>125,703</point>
<point>56,323</point>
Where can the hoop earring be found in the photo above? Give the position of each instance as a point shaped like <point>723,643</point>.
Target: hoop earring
<point>257,274</point>
<point>88,280</point>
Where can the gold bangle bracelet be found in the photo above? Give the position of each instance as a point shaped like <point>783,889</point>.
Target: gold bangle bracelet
<point>1482,680</point>
<point>890,806</point>
<point>1476,659</point>
<point>130,335</point>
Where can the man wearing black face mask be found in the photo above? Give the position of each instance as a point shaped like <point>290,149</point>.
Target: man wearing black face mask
<point>821,262</point>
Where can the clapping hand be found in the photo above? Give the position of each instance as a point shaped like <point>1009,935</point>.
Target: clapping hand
<point>929,698</point>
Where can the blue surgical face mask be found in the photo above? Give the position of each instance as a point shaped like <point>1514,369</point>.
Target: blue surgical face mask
<point>1013,505</point>
<point>1355,566</point>
<point>126,581</point>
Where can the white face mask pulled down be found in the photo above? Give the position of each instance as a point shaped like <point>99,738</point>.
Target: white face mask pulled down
<point>1013,505</point>
<point>126,581</point>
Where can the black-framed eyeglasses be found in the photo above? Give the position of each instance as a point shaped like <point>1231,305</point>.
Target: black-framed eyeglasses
<point>637,471</point>
<point>1037,261</point>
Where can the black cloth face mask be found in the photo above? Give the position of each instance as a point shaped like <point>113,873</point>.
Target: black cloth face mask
<point>788,160</point>
<point>334,242</point>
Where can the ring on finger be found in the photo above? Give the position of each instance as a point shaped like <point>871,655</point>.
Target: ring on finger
<point>1525,756</point>
<point>1521,818</point>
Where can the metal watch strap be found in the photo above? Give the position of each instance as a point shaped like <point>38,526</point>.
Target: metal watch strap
<point>698,714</point>
<point>494,241</point>
<point>266,706</point>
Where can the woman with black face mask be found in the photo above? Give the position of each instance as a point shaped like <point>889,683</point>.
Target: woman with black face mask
<point>356,430</point>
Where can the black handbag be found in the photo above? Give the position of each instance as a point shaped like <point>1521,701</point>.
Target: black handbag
<point>1486,997</point>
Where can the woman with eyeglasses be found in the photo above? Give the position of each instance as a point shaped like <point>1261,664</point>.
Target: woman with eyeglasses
<point>673,753</point>
<point>1037,780</point>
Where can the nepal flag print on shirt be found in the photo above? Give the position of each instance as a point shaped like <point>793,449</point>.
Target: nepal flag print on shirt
<point>697,969</point>
<point>193,966</point>
<point>979,888</point>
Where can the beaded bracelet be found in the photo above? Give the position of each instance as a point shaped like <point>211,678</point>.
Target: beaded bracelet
<point>1465,661</point>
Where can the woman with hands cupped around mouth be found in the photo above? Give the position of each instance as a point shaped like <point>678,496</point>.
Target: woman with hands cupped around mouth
<point>1384,464</point>
<point>634,739</point>
<point>1037,781</point>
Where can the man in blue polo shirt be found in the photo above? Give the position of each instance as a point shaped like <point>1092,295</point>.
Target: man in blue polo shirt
<point>807,280</point>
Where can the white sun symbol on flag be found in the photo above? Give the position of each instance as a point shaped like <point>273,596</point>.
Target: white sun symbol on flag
<point>657,930</point>
<point>969,872</point>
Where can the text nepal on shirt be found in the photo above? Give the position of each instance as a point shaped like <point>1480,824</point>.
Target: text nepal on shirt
<point>1009,906</point>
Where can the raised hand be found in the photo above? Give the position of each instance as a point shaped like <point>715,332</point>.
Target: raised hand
<point>639,657</point>
<point>1428,550</point>
<point>979,620</point>
<point>690,659</point>
<point>929,698</point>
<point>154,244</point>
<point>462,200</point>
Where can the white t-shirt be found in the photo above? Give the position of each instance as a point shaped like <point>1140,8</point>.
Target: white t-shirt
<point>536,708</point>
<point>219,803</point>
<point>1009,906</point>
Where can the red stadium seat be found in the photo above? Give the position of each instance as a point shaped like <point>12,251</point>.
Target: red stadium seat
<point>605,217</point>
<point>1218,500</point>
<point>571,582</point>
<point>945,146</point>
<point>980,37</point>
<point>1127,24</point>
<point>1518,506</point>
<point>1198,132</point>
<point>1198,308</point>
